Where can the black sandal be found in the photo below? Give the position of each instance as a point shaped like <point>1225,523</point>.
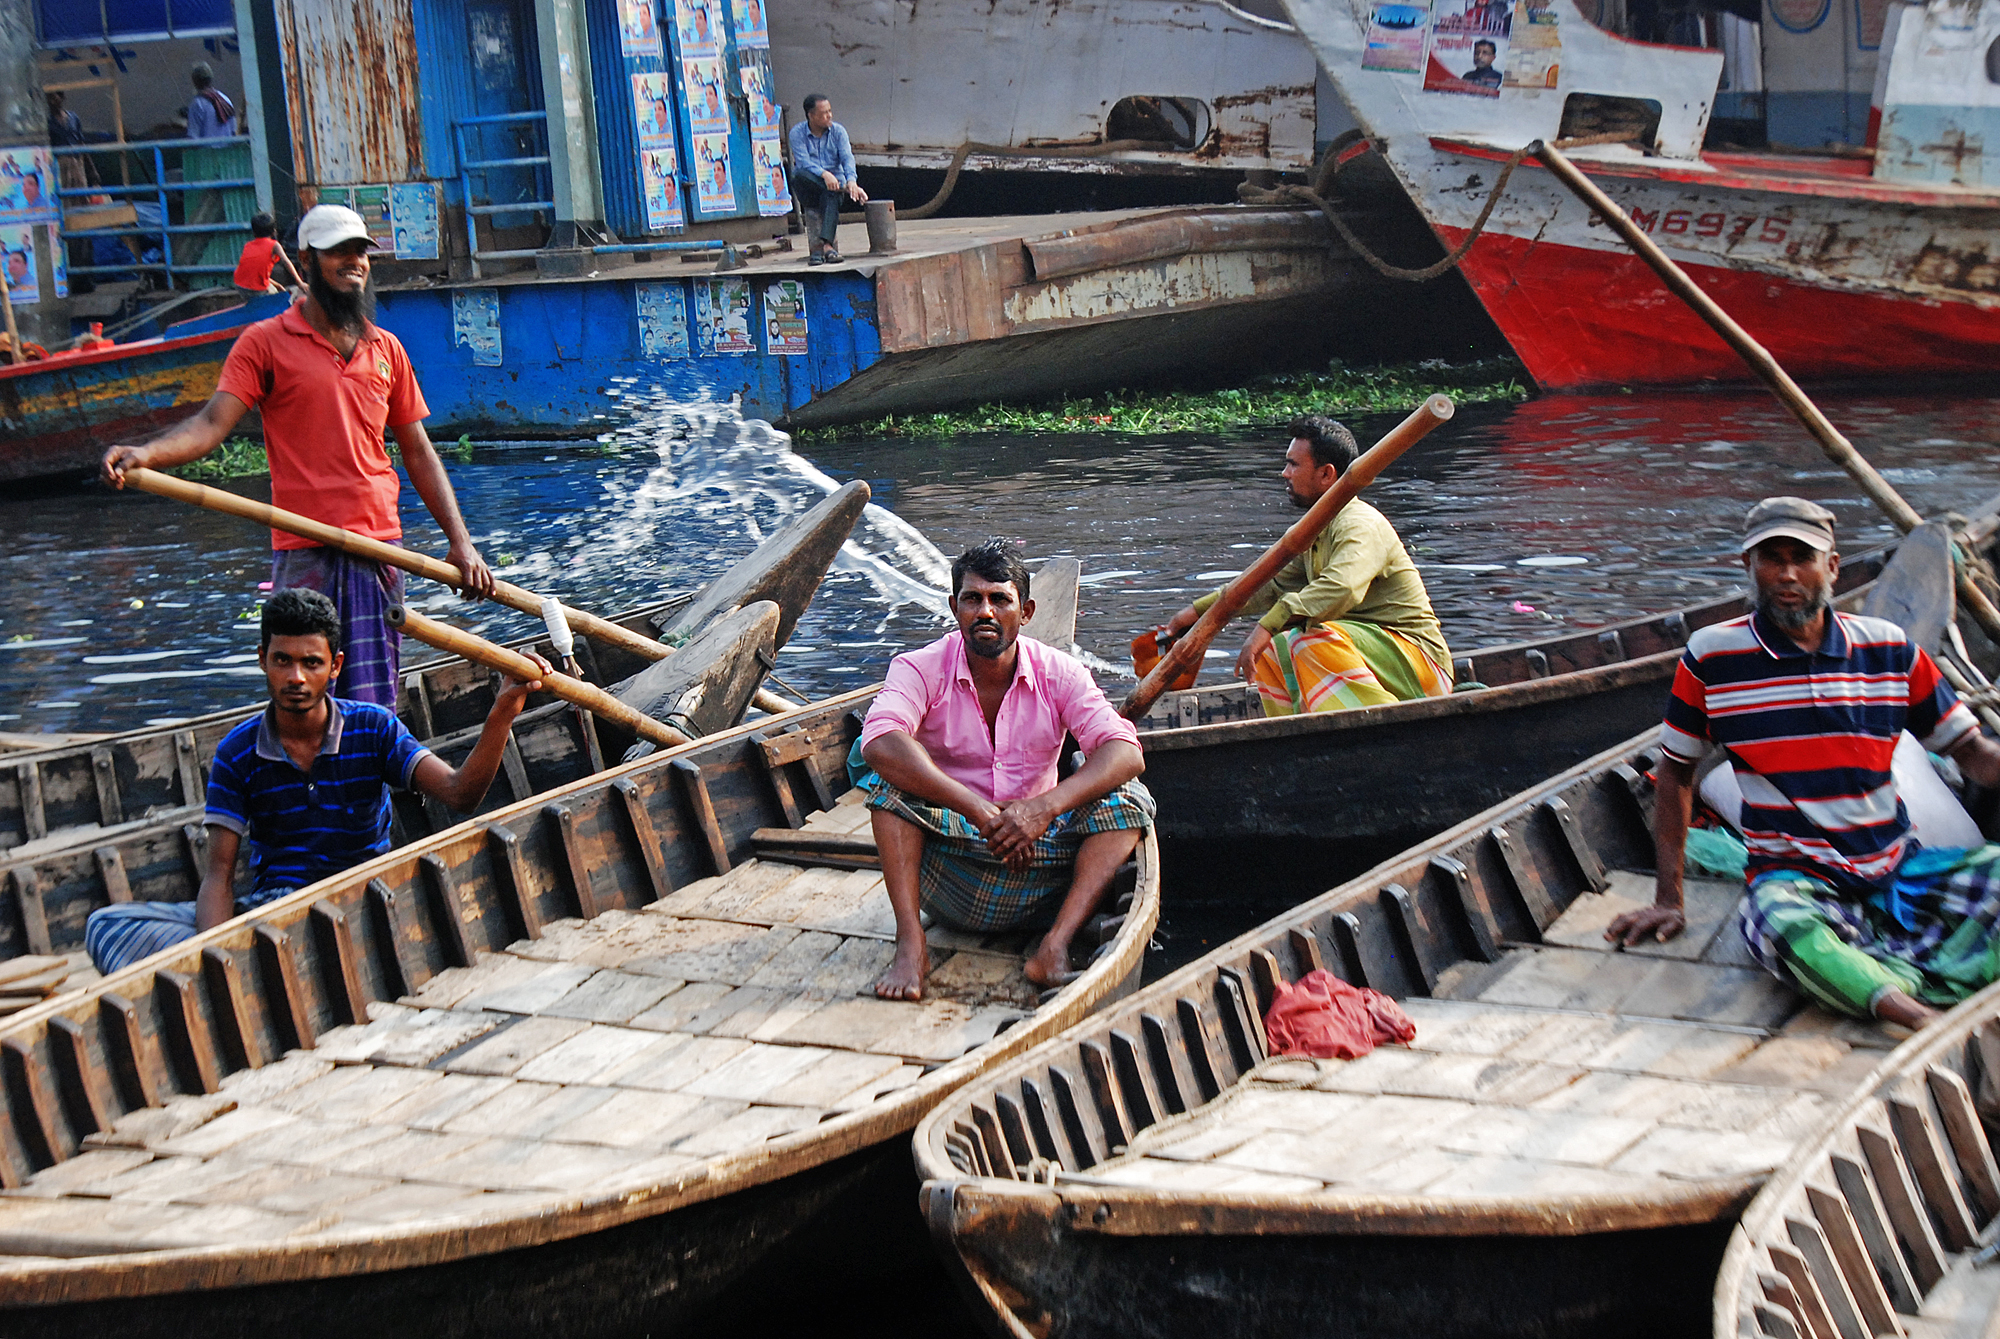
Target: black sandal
<point>829,257</point>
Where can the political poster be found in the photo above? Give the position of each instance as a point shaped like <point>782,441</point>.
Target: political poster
<point>1396,34</point>
<point>1534,56</point>
<point>28,186</point>
<point>785,317</point>
<point>17,257</point>
<point>774,195</point>
<point>1468,48</point>
<point>372,203</point>
<point>663,320</point>
<point>715,189</point>
<point>653,109</point>
<point>638,29</point>
<point>722,316</point>
<point>58,258</point>
<point>698,27</point>
<point>760,89</point>
<point>413,217</point>
<point>708,107</point>
<point>752,30</point>
<point>475,324</point>
<point>658,169</point>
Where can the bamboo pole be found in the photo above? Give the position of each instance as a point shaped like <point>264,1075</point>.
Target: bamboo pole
<point>360,546</point>
<point>482,652</point>
<point>1186,653</point>
<point>1837,447</point>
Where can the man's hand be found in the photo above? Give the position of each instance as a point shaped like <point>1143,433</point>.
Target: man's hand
<point>1246,660</point>
<point>1015,828</point>
<point>478,576</point>
<point>118,460</point>
<point>856,194</point>
<point>832,182</point>
<point>1658,922</point>
<point>1176,627</point>
<point>1979,758</point>
<point>514,692</point>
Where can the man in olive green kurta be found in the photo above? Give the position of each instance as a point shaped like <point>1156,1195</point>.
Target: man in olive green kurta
<point>1348,622</point>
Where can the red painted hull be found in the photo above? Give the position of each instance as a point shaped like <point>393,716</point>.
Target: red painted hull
<point>1579,317</point>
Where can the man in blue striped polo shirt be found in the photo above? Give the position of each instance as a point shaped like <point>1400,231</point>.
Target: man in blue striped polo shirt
<point>1808,703</point>
<point>307,783</point>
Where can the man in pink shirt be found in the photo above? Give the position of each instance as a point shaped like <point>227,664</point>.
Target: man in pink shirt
<point>973,826</point>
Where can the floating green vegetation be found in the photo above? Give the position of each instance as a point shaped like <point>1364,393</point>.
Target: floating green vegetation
<point>1263,402</point>
<point>234,459</point>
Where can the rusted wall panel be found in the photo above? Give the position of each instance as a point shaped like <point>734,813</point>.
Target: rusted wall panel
<point>351,81</point>
<point>913,79</point>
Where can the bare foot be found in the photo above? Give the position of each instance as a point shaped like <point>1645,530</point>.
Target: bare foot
<point>1896,1007</point>
<point>905,978</point>
<point>1050,965</point>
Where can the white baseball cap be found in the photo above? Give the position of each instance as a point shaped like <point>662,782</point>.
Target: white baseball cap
<point>327,226</point>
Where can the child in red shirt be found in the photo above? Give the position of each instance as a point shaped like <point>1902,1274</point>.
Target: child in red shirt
<point>260,259</point>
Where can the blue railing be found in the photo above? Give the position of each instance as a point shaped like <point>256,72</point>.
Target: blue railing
<point>544,183</point>
<point>158,188</point>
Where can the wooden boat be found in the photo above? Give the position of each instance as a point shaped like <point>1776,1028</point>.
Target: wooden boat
<point>57,417</point>
<point>1881,1223</point>
<point>1560,1151</point>
<point>568,1067</point>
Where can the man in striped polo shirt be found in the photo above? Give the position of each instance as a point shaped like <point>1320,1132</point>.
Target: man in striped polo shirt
<point>1808,704</point>
<point>307,783</point>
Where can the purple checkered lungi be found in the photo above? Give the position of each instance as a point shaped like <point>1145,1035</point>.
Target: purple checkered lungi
<point>363,592</point>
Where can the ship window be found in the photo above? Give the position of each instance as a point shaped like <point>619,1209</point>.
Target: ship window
<point>1180,123</point>
<point>1586,115</point>
<point>1993,62</point>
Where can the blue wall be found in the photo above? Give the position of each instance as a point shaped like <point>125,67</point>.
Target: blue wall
<point>566,347</point>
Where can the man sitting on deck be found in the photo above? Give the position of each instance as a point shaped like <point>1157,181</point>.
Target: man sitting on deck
<point>973,826</point>
<point>1809,702</point>
<point>307,782</point>
<point>1348,622</point>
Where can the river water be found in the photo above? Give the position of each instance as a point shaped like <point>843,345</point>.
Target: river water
<point>1564,512</point>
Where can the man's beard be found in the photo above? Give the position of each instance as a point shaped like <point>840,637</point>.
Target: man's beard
<point>1797,619</point>
<point>1000,648</point>
<point>1302,503</point>
<point>352,312</point>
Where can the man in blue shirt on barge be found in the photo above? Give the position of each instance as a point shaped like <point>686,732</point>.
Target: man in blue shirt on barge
<point>822,172</point>
<point>307,783</point>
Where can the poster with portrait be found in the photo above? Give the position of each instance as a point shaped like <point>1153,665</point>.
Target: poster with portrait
<point>58,258</point>
<point>653,109</point>
<point>638,28</point>
<point>752,30</point>
<point>715,189</point>
<point>413,216</point>
<point>17,259</point>
<point>475,324</point>
<point>1468,49</point>
<point>658,169</point>
<point>1534,55</point>
<point>1396,33</point>
<point>760,89</point>
<point>774,195</point>
<point>785,317</point>
<point>663,320</point>
<point>722,316</point>
<point>372,203</point>
<point>28,185</point>
<point>698,27</point>
<point>708,106</point>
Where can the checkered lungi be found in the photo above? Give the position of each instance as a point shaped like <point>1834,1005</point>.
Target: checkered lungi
<point>1931,935</point>
<point>363,592</point>
<point>964,885</point>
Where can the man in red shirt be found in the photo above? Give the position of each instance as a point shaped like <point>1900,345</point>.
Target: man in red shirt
<point>328,380</point>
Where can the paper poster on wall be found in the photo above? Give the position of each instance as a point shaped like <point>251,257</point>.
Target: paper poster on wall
<point>657,169</point>
<point>58,258</point>
<point>1396,33</point>
<point>722,316</point>
<point>708,108</point>
<point>698,27</point>
<point>751,29</point>
<point>785,317</point>
<point>17,256</point>
<point>715,189</point>
<point>638,28</point>
<point>475,324</point>
<point>413,215</point>
<point>753,72</point>
<point>1468,47</point>
<point>1534,56</point>
<point>663,320</point>
<point>372,203</point>
<point>774,196</point>
<point>653,109</point>
<point>28,186</point>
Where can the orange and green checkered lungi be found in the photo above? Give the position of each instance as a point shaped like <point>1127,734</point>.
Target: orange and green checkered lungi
<point>1342,664</point>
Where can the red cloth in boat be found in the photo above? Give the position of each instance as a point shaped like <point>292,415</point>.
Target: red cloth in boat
<point>1325,1017</point>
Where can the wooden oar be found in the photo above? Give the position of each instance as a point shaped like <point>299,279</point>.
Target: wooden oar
<point>482,652</point>
<point>1187,652</point>
<point>360,546</point>
<point>1837,447</point>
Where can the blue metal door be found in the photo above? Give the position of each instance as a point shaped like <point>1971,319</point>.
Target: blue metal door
<point>481,58</point>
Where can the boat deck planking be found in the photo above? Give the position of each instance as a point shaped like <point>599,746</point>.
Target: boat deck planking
<point>436,1057</point>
